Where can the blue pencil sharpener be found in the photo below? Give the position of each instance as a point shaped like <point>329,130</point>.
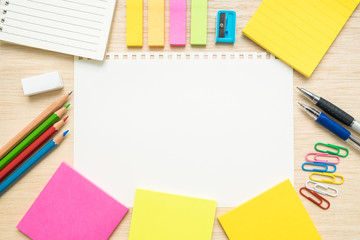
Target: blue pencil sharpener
<point>225,26</point>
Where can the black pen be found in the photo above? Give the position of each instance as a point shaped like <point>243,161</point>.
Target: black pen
<point>332,110</point>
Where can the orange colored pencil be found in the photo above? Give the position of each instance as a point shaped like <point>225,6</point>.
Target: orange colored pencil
<point>34,124</point>
<point>31,148</point>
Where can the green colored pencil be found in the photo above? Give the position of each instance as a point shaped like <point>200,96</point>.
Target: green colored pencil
<point>33,136</point>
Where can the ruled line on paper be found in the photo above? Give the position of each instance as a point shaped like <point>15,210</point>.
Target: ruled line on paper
<point>68,8</point>
<point>56,43</point>
<point>62,29</point>
<point>54,35</point>
<point>98,0</point>
<point>98,29</point>
<point>292,33</point>
<point>318,19</point>
<point>85,4</point>
<point>60,14</point>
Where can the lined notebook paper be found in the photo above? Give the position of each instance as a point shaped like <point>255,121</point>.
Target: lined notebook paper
<point>299,32</point>
<point>75,27</point>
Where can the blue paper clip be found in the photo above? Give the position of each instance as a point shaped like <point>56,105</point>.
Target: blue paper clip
<point>325,167</point>
<point>225,26</point>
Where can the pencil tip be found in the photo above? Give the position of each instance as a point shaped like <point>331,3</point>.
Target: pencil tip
<point>64,134</point>
<point>302,105</point>
<point>66,118</point>
<point>298,88</point>
<point>70,93</point>
<point>67,106</point>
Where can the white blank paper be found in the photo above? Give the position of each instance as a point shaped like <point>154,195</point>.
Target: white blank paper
<point>194,125</point>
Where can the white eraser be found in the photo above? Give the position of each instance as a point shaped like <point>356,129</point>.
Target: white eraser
<point>42,83</point>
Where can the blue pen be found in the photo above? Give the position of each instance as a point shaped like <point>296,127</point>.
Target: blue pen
<point>18,173</point>
<point>332,126</point>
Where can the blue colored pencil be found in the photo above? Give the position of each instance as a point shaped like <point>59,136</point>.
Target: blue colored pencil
<point>18,173</point>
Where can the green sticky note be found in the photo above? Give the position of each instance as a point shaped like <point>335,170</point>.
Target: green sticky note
<point>198,22</point>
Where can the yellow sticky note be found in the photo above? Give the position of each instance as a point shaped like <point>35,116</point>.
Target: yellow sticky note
<point>163,216</point>
<point>134,23</point>
<point>156,23</point>
<point>299,32</point>
<point>277,214</point>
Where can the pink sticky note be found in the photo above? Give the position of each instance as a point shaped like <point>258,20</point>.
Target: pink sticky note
<point>71,207</point>
<point>177,22</point>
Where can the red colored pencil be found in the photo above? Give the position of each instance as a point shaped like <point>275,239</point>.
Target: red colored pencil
<point>31,148</point>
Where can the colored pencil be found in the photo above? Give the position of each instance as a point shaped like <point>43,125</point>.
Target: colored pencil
<point>18,173</point>
<point>30,149</point>
<point>33,136</point>
<point>33,124</point>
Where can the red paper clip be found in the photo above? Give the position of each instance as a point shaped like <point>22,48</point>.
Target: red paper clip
<point>320,198</point>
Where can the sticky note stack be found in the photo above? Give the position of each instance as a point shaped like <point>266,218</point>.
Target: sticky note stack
<point>134,23</point>
<point>198,22</point>
<point>277,214</point>
<point>299,32</point>
<point>162,216</point>
<point>177,22</point>
<point>71,207</point>
<point>156,23</point>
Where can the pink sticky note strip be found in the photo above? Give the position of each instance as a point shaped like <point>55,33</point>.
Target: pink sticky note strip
<point>177,22</point>
<point>71,207</point>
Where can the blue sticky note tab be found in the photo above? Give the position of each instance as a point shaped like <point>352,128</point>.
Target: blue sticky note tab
<point>225,26</point>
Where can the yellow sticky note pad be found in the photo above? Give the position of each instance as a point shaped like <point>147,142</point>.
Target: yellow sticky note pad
<point>299,32</point>
<point>156,23</point>
<point>277,214</point>
<point>134,23</point>
<point>163,216</point>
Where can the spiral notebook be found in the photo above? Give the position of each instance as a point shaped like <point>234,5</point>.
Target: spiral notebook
<point>209,125</point>
<point>75,27</point>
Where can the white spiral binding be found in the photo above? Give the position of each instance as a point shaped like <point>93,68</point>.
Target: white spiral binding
<point>3,11</point>
<point>188,55</point>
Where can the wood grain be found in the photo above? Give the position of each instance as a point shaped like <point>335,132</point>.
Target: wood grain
<point>337,78</point>
<point>32,125</point>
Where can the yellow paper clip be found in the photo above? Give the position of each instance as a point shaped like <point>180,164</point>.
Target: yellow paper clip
<point>332,176</point>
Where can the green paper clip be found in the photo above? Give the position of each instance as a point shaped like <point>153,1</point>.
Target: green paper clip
<point>331,152</point>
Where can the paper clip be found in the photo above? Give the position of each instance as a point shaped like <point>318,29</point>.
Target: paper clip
<point>326,155</point>
<point>333,147</point>
<point>319,198</point>
<point>332,176</point>
<point>323,186</point>
<point>325,167</point>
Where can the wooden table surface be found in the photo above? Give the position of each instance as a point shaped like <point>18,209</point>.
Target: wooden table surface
<point>337,78</point>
